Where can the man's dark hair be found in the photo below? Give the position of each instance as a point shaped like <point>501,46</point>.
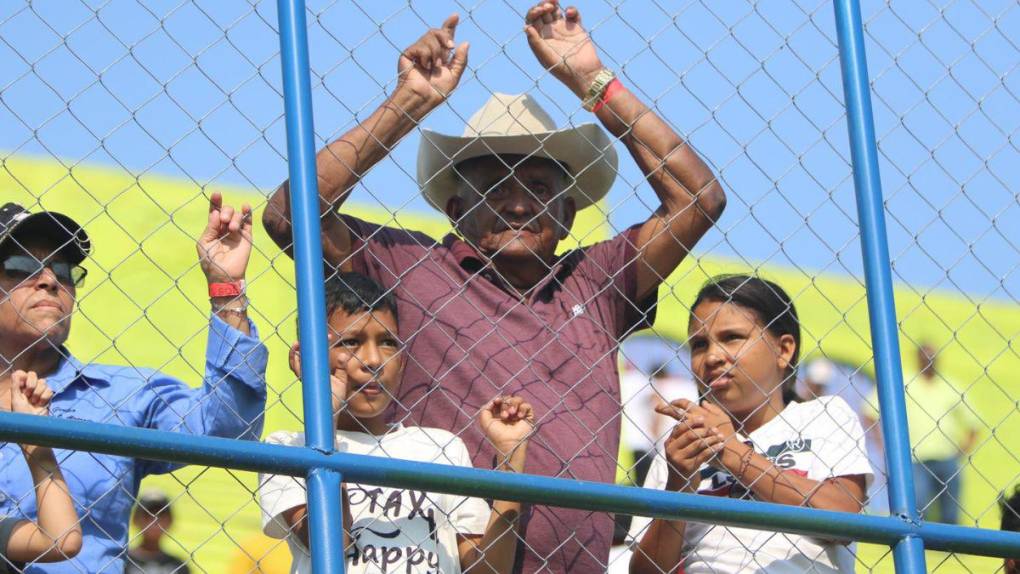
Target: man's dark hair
<point>1011,511</point>
<point>769,302</point>
<point>354,292</point>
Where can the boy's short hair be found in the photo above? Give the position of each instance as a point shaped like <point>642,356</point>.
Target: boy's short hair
<point>353,292</point>
<point>1011,511</point>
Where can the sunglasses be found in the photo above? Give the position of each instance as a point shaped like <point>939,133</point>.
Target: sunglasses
<point>23,267</point>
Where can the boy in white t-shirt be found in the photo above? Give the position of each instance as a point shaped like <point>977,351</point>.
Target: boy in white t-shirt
<point>392,529</point>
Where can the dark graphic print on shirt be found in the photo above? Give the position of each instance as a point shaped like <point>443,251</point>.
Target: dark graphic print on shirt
<point>783,455</point>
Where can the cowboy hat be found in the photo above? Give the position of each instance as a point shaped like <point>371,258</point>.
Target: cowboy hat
<point>517,125</point>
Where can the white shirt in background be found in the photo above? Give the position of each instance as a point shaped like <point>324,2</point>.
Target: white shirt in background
<point>393,530</point>
<point>818,439</point>
<point>643,428</point>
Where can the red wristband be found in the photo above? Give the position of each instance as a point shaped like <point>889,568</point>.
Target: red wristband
<point>232,289</point>
<point>614,86</point>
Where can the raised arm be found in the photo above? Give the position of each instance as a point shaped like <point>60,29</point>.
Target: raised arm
<point>57,534</point>
<point>691,198</point>
<point>428,71</point>
<point>232,398</point>
<point>507,423</point>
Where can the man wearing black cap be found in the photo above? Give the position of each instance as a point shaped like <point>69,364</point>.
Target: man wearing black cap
<point>41,268</point>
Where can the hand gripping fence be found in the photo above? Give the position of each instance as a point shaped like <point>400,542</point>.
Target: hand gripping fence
<point>324,469</point>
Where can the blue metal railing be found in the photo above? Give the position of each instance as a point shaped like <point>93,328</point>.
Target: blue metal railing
<point>325,513</point>
<point>428,477</point>
<point>908,552</point>
<point>323,469</point>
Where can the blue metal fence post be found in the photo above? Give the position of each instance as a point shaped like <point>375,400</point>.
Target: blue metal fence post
<point>324,510</point>
<point>908,554</point>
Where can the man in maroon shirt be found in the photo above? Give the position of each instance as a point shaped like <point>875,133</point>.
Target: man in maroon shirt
<point>492,309</point>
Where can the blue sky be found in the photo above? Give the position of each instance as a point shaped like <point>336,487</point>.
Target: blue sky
<point>191,89</point>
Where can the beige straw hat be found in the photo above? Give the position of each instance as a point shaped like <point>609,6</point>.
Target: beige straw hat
<point>517,125</point>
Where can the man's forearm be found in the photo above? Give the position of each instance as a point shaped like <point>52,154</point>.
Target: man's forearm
<point>676,173</point>
<point>232,399</point>
<point>341,164</point>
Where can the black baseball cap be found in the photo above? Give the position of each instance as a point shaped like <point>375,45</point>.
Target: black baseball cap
<point>153,503</point>
<point>16,221</point>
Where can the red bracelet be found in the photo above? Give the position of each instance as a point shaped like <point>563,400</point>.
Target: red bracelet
<point>614,86</point>
<point>232,289</point>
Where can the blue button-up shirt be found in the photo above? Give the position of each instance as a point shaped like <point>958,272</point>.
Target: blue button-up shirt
<point>230,403</point>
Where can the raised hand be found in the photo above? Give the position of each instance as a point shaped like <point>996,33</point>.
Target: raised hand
<point>224,247</point>
<point>562,45</point>
<point>508,423</point>
<point>29,394</point>
<point>432,67</point>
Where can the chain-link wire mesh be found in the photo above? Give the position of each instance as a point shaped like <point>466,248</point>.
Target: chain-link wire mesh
<point>127,115</point>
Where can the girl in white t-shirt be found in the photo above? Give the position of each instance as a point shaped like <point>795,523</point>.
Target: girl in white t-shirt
<point>749,438</point>
<point>395,529</point>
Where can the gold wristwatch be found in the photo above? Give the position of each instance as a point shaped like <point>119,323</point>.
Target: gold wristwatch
<point>597,88</point>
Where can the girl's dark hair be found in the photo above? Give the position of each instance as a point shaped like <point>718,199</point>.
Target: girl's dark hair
<point>770,303</point>
<point>1011,511</point>
<point>355,292</point>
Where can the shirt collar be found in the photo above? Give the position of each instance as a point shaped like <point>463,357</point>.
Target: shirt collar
<point>469,259</point>
<point>70,370</point>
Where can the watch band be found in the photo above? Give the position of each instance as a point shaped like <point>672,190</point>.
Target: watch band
<point>597,87</point>
<point>231,289</point>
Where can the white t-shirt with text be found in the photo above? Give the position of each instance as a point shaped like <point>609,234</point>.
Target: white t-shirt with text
<point>393,530</point>
<point>818,439</point>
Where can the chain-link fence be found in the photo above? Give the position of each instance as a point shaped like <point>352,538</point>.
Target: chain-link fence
<point>563,282</point>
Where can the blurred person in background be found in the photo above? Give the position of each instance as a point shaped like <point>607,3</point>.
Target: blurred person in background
<point>666,388</point>
<point>56,535</point>
<point>41,257</point>
<point>943,431</point>
<point>153,518</point>
<point>493,308</point>
<point>1010,508</point>
<point>644,428</point>
<point>639,397</point>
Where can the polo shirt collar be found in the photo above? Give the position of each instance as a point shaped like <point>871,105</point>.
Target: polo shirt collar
<point>70,369</point>
<point>468,258</point>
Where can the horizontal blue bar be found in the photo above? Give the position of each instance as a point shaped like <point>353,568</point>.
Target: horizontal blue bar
<point>297,461</point>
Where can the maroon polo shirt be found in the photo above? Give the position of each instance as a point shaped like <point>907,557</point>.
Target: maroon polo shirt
<point>470,340</point>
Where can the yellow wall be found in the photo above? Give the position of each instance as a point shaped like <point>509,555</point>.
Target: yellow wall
<point>145,304</point>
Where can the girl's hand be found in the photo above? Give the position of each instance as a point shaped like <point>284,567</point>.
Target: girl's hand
<point>716,418</point>
<point>707,415</point>
<point>29,394</point>
<point>687,450</point>
<point>508,423</point>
